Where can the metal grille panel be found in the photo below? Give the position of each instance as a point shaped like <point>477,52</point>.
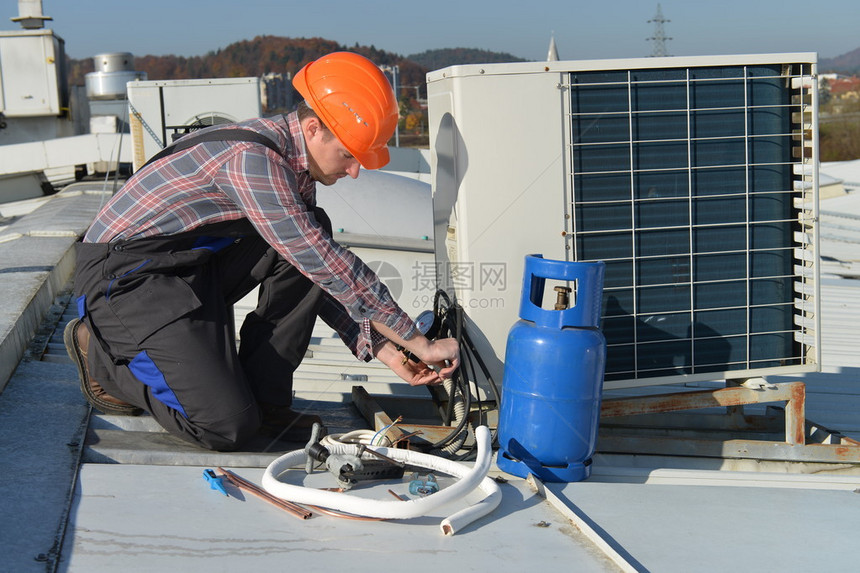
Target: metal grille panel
<point>696,186</point>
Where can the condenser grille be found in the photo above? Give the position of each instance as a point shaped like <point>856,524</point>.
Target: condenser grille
<point>693,185</point>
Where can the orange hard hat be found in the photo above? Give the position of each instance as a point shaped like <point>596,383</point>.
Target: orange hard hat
<point>354,100</point>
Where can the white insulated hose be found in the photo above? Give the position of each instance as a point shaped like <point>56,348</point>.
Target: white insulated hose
<point>476,477</point>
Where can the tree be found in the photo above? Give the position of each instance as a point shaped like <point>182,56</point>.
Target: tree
<point>824,95</point>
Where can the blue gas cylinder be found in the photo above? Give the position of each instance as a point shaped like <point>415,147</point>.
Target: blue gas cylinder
<point>553,377</point>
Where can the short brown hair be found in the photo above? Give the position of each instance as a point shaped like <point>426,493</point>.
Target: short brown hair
<point>304,111</point>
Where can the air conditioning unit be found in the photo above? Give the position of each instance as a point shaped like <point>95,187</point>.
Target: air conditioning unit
<point>160,111</point>
<point>693,178</point>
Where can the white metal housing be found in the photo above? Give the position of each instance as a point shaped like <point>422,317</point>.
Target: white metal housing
<point>694,178</point>
<point>160,110</point>
<point>32,76</point>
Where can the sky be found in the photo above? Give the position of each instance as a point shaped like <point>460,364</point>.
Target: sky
<point>582,30</point>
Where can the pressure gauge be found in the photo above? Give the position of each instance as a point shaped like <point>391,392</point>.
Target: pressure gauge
<point>425,323</point>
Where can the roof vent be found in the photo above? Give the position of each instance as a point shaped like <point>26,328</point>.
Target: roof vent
<point>113,72</point>
<point>30,15</point>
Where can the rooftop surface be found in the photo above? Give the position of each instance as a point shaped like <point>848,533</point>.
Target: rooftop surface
<point>87,492</point>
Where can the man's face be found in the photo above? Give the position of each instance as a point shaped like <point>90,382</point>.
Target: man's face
<point>328,159</point>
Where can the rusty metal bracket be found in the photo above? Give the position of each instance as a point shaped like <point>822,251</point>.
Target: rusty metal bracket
<point>725,435</point>
<point>792,393</point>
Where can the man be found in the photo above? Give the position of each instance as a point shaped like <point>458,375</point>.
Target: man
<point>192,232</point>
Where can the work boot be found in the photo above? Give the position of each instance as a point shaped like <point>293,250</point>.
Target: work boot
<point>76,337</point>
<point>286,424</point>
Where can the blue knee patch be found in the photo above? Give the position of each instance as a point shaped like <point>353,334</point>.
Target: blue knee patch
<point>145,370</point>
<point>82,306</point>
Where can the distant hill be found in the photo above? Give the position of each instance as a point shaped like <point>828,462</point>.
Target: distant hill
<point>845,64</point>
<point>262,55</point>
<point>437,59</point>
<point>265,54</point>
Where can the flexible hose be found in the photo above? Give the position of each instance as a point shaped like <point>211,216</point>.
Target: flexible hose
<point>459,381</point>
<point>449,322</point>
<point>470,479</point>
<point>365,437</point>
<point>459,413</point>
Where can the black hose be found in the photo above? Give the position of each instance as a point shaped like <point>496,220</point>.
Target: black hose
<point>444,331</point>
<point>449,323</point>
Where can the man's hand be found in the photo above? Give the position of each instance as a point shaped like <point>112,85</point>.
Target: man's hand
<point>416,373</point>
<point>442,354</point>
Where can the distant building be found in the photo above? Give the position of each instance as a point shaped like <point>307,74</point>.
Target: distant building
<point>847,89</point>
<point>276,93</point>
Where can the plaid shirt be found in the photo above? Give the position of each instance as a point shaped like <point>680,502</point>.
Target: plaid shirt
<point>221,181</point>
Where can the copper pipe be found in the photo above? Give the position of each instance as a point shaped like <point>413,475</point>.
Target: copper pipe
<point>245,485</point>
<point>342,515</point>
